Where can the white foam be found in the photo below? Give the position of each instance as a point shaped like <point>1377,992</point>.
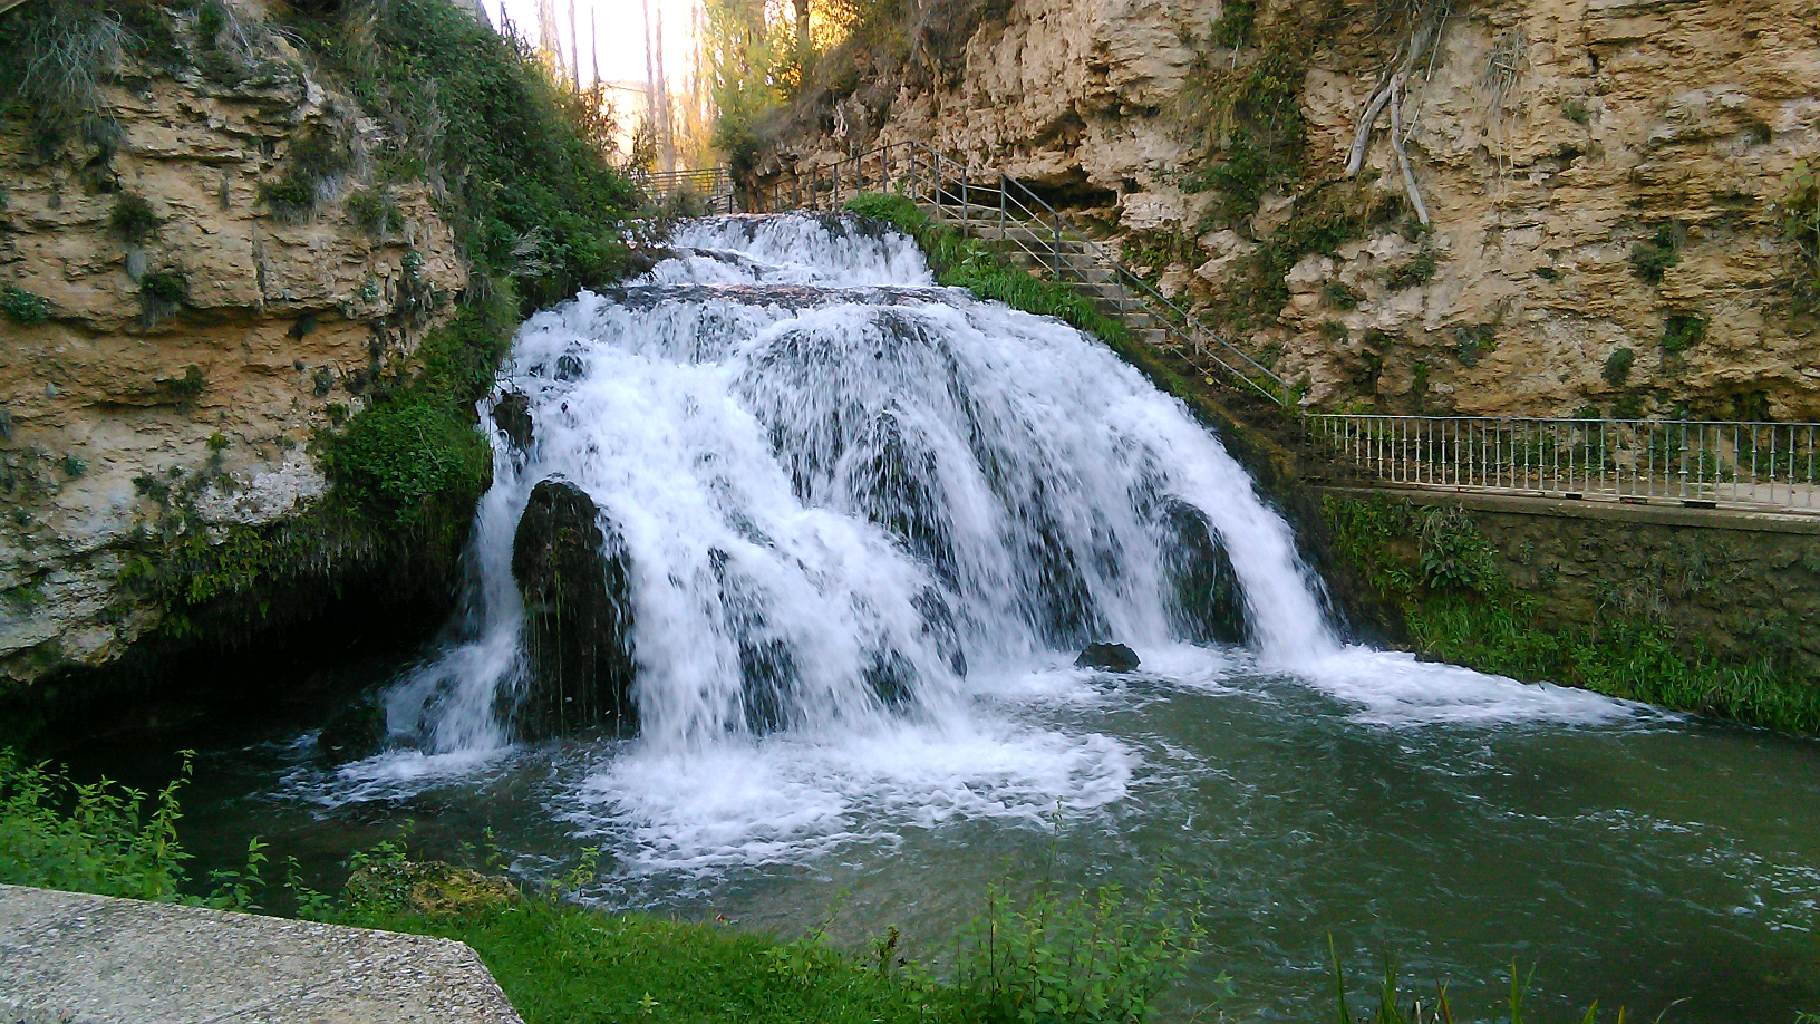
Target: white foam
<point>1393,688</point>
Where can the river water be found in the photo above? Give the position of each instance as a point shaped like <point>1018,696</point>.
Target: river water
<point>869,523</point>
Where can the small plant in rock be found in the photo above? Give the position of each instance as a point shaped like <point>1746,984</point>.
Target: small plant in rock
<point>1652,259</point>
<point>1233,28</point>
<point>1618,366</point>
<point>1798,215</point>
<point>1575,110</point>
<point>1341,295</point>
<point>22,306</point>
<point>133,218</point>
<point>375,213</point>
<point>74,466</point>
<point>1682,331</point>
<point>1414,274</point>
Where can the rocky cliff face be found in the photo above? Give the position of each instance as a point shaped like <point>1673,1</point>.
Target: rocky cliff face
<point>1600,177</point>
<point>218,281</point>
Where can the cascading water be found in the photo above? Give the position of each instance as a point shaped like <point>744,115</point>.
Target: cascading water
<point>840,488</point>
<point>850,503</point>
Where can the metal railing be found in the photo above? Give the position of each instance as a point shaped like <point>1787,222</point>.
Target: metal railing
<point>1006,213</point>
<point>1697,464</point>
<point>714,185</point>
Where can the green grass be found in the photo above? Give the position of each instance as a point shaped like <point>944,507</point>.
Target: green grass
<point>558,962</point>
<point>1459,607</point>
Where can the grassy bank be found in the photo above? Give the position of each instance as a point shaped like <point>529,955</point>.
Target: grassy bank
<point>1436,566</point>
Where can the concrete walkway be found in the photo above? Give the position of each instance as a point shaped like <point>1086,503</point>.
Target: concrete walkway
<point>72,958</point>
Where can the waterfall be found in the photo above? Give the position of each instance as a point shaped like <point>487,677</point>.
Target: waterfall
<point>842,488</point>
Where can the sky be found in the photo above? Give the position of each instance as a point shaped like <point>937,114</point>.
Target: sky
<point>620,28</point>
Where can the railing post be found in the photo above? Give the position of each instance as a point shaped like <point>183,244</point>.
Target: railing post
<point>1055,244</point>
<point>1001,206</point>
<point>966,211</point>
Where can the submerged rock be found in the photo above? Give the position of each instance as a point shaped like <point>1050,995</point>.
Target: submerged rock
<point>354,731</point>
<point>1206,600</point>
<point>571,567</point>
<point>1108,657</point>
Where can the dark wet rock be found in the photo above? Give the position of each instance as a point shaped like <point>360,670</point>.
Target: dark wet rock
<point>354,731</point>
<point>1206,599</point>
<point>570,367</point>
<point>572,570</point>
<point>641,260</point>
<point>1108,657</point>
<point>512,414</point>
<point>767,663</point>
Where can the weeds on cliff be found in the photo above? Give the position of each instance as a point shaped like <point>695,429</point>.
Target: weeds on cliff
<point>478,117</point>
<point>1652,259</point>
<point>22,306</point>
<point>132,218</point>
<point>1797,213</point>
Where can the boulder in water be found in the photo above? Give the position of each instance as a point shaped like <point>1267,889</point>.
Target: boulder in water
<point>1206,600</point>
<point>572,570</point>
<point>1108,657</point>
<point>512,413</point>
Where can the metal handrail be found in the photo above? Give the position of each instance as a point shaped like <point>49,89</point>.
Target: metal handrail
<point>945,182</point>
<point>1695,463</point>
<point>713,184</point>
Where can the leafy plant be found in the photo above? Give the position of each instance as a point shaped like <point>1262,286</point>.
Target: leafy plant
<point>133,218</point>
<point>166,287</point>
<point>1341,295</point>
<point>1797,213</point>
<point>1652,259</point>
<point>1682,331</point>
<point>22,306</point>
<point>1575,110</point>
<point>1618,366</point>
<point>1091,956</point>
<point>1234,25</point>
<point>95,837</point>
<point>1418,271</point>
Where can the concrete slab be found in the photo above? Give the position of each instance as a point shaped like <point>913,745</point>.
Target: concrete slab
<point>73,958</point>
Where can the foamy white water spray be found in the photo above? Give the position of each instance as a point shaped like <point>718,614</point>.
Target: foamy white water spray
<point>843,490</point>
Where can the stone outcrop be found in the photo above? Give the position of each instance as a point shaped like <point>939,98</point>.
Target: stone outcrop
<point>1559,145</point>
<point>199,331</point>
<point>571,567</point>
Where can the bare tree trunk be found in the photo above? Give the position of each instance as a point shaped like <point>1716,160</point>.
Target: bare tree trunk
<point>574,52</point>
<point>805,46</point>
<point>666,138</point>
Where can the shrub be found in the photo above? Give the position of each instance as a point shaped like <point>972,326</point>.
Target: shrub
<point>97,838</point>
<point>1575,110</point>
<point>163,287</point>
<point>1617,366</point>
<point>1342,295</point>
<point>1091,956</point>
<point>1416,272</point>
<point>375,212</point>
<point>1798,215</point>
<point>22,306</point>
<point>1651,260</point>
<point>1233,29</point>
<point>1682,331</point>
<point>133,218</point>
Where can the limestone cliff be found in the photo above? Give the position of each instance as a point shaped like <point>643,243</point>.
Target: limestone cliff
<point>1600,175</point>
<point>194,322</point>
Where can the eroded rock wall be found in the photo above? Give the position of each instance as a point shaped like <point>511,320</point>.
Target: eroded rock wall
<point>1550,139</point>
<point>130,412</point>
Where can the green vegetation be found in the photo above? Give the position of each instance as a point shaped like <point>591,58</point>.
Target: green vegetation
<point>1575,110</point>
<point>1417,272</point>
<point>1233,28</point>
<point>1682,331</point>
<point>97,838</point>
<point>1083,958</point>
<point>1460,607</point>
<point>22,306</point>
<point>1798,215</point>
<point>133,218</point>
<point>963,262</point>
<point>166,287</point>
<point>1618,366</point>
<point>528,188</point>
<point>1651,259</point>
